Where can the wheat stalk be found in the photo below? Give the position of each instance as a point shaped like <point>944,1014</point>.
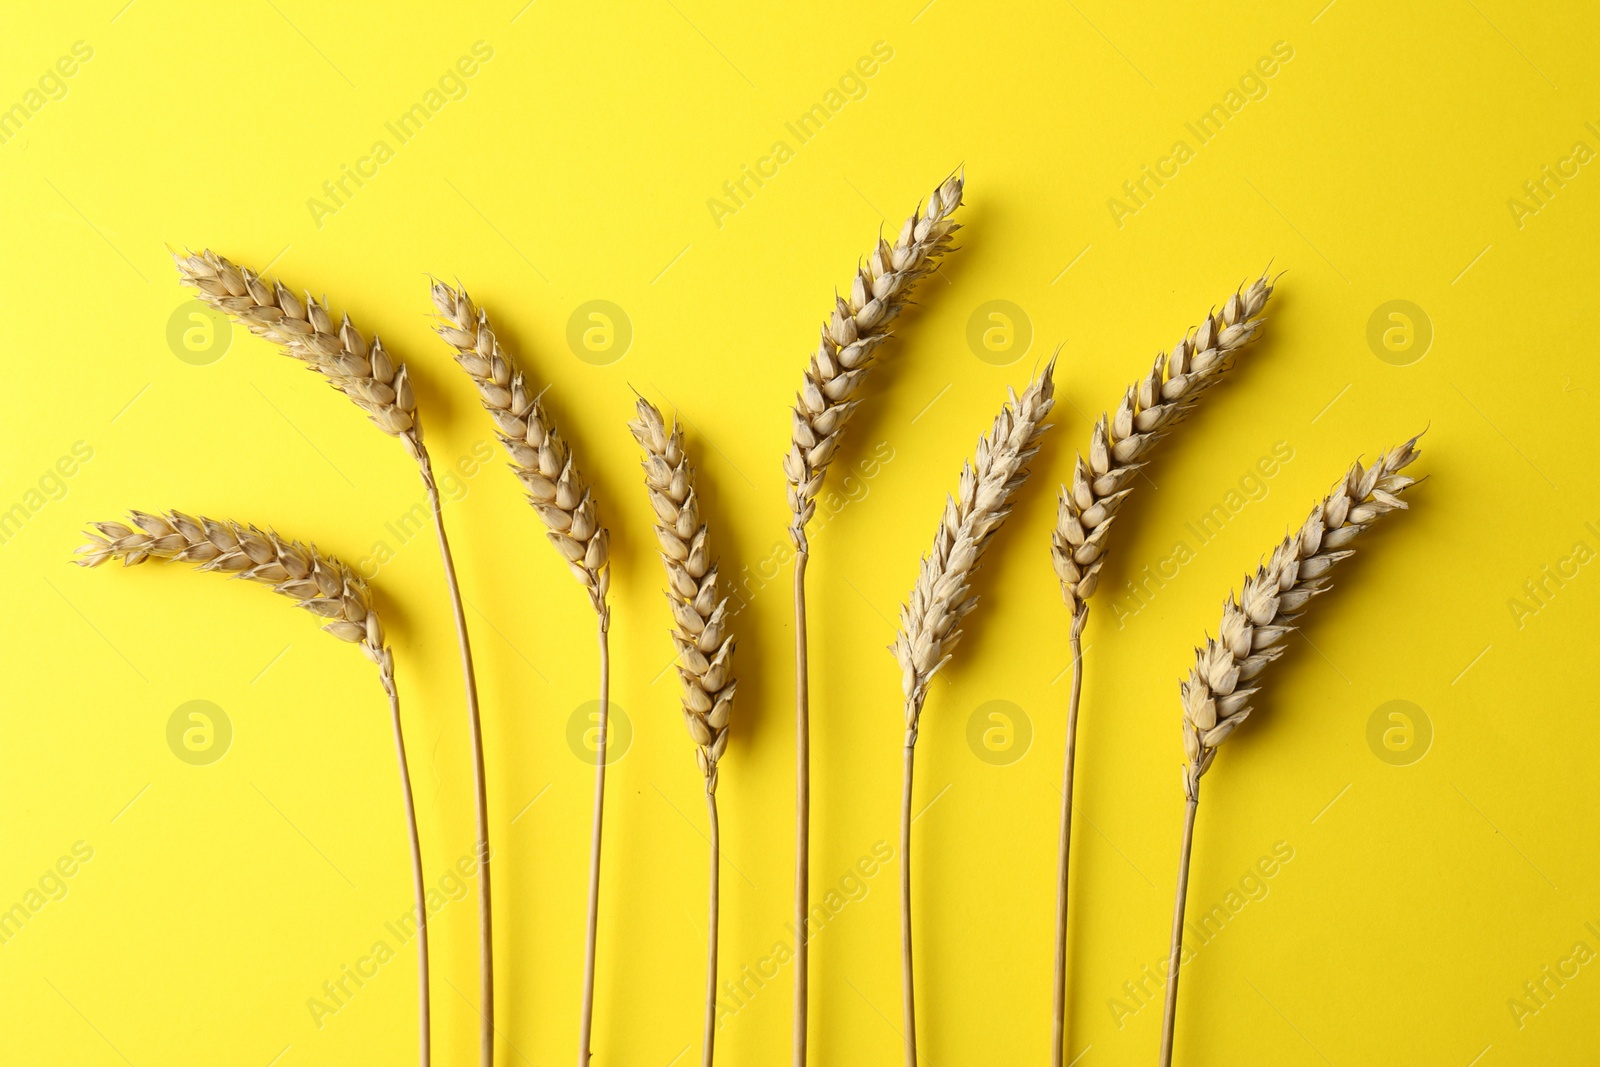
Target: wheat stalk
<point>559,494</point>
<point>1119,447</point>
<point>860,323</point>
<point>316,581</point>
<point>1255,626</point>
<point>705,647</point>
<point>930,621</point>
<point>378,384</point>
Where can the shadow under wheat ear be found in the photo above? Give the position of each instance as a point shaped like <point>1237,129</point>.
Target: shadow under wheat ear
<point>1255,626</point>
<point>860,323</point>
<point>705,645</point>
<point>930,621</point>
<point>378,384</point>
<point>1119,447</point>
<point>559,494</point>
<point>316,581</point>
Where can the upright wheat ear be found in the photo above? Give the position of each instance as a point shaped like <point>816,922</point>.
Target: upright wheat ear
<point>559,494</point>
<point>1255,625</point>
<point>316,581</point>
<point>305,329</point>
<point>705,646</point>
<point>930,620</point>
<point>1119,446</point>
<point>860,323</point>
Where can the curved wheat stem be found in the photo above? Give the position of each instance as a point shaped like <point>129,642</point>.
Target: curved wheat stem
<point>930,620</point>
<point>562,498</point>
<point>316,581</point>
<point>860,323</point>
<point>1119,446</point>
<point>1255,627</point>
<point>304,328</point>
<point>705,647</point>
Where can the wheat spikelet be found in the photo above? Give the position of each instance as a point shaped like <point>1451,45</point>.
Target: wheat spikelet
<point>304,329</point>
<point>539,457</point>
<point>860,323</point>
<point>1121,442</point>
<point>699,606</point>
<point>1255,625</point>
<point>705,647</point>
<point>320,583</point>
<point>930,619</point>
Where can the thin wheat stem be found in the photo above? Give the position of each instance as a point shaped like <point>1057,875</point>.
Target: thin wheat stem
<point>711,925</point>
<point>802,808</point>
<point>1075,644</point>
<point>586,1025</point>
<point>1174,958</point>
<point>424,999</point>
<point>479,781</point>
<point>909,995</point>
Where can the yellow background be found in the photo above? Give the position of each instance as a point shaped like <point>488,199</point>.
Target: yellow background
<point>1377,166</point>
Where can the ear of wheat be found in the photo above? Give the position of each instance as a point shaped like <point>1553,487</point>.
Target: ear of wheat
<point>930,621</point>
<point>304,328</point>
<point>1255,626</point>
<point>860,323</point>
<point>562,498</point>
<point>320,583</point>
<point>705,646</point>
<point>1119,446</point>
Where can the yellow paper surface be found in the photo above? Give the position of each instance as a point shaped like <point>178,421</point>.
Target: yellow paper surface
<point>711,172</point>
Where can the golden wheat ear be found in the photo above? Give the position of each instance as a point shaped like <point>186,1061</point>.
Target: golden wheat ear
<point>930,619</point>
<point>320,583</point>
<point>1255,626</point>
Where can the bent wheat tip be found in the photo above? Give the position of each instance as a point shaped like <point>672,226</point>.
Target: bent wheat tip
<point>322,584</point>
<point>694,589</point>
<point>540,458</point>
<point>850,339</point>
<point>1121,442</point>
<point>930,619</point>
<point>304,328</point>
<point>1256,623</point>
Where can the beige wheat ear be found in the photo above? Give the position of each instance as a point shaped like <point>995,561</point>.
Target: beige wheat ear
<point>1119,446</point>
<point>705,645</point>
<point>304,329</point>
<point>562,498</point>
<point>930,620</point>
<point>320,583</point>
<point>860,323</point>
<point>1255,626</point>
<point>540,457</point>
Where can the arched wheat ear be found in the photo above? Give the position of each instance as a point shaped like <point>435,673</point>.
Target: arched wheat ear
<point>304,328</point>
<point>561,497</point>
<point>1255,627</point>
<point>1118,447</point>
<point>705,646</point>
<point>316,581</point>
<point>930,620</point>
<point>860,323</point>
